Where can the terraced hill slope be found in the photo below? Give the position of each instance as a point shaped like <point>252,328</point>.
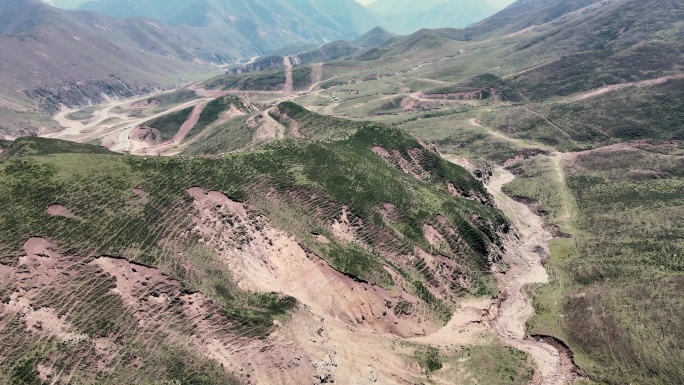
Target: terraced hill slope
<point>139,269</point>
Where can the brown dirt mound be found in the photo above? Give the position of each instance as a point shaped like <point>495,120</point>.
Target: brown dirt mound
<point>147,103</point>
<point>60,211</point>
<point>295,127</point>
<point>146,134</point>
<point>265,259</point>
<point>189,123</point>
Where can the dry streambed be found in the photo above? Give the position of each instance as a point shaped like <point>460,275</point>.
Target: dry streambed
<point>525,251</point>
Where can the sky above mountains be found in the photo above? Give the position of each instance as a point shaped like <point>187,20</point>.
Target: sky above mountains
<point>75,3</point>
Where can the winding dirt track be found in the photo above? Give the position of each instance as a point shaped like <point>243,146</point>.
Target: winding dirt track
<point>289,81</point>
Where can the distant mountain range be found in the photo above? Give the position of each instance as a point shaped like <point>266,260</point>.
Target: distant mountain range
<point>407,16</point>
<point>335,19</point>
<point>259,26</point>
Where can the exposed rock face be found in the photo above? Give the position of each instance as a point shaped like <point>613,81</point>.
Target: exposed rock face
<point>83,93</point>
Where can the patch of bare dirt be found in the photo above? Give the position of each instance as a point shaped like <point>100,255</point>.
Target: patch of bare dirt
<point>389,213</point>
<point>264,258</point>
<point>434,237</point>
<point>523,155</point>
<point>289,82</point>
<point>409,104</point>
<point>615,87</point>
<point>266,129</point>
<point>189,124</point>
<point>146,103</point>
<point>60,211</point>
<point>525,250</point>
<point>316,77</point>
<point>148,135</point>
<point>343,229</point>
<point>212,93</point>
<point>381,152</point>
<point>295,127</point>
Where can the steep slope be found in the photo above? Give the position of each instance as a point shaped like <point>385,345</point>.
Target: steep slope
<point>583,115</point>
<point>66,4</point>
<point>372,38</point>
<point>267,267</point>
<point>405,16</point>
<point>527,13</point>
<point>265,25</point>
<point>53,57</point>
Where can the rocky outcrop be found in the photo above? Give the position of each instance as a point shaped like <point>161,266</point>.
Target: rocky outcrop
<point>76,94</point>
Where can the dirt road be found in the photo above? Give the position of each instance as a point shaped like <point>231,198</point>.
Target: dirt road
<point>316,77</point>
<point>289,82</point>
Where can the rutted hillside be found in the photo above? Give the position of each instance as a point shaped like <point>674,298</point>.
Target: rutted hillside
<point>203,242</point>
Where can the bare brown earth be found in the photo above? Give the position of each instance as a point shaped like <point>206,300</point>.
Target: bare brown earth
<point>189,123</point>
<point>59,210</point>
<point>615,87</point>
<point>316,77</point>
<point>267,129</point>
<point>295,129</point>
<point>158,304</point>
<point>346,330</point>
<point>525,253</point>
<point>289,83</point>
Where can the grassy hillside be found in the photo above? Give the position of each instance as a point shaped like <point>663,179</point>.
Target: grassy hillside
<point>613,280</point>
<point>261,81</point>
<point>134,208</point>
<point>169,124</point>
<point>636,113</point>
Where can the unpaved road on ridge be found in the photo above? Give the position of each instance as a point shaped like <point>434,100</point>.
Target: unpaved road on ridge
<point>289,81</point>
<point>316,77</point>
<point>524,254</point>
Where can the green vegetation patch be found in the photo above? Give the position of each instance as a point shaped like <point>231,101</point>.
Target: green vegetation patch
<point>256,81</point>
<point>169,124</point>
<point>212,112</point>
<point>428,358</point>
<point>614,284</point>
<point>301,77</point>
<point>82,114</point>
<point>232,135</point>
<point>176,97</point>
<point>32,146</point>
<point>488,364</point>
<point>315,126</point>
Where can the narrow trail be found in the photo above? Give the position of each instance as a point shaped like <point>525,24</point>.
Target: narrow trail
<point>316,77</point>
<point>289,81</point>
<point>614,87</point>
<point>518,142</point>
<point>524,253</point>
<point>557,159</point>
